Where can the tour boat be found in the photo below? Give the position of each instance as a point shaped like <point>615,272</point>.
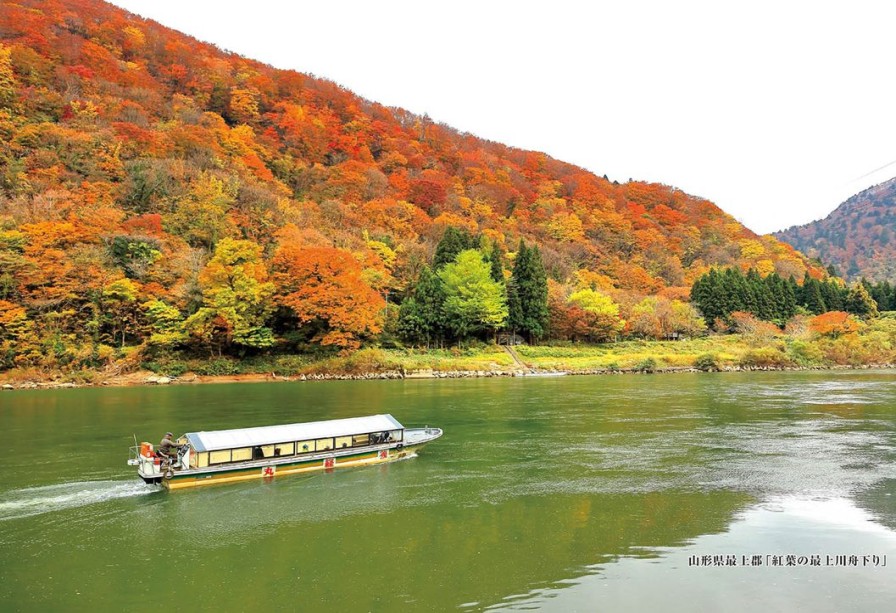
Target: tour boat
<point>225,456</point>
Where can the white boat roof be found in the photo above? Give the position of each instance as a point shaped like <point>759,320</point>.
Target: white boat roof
<point>268,435</point>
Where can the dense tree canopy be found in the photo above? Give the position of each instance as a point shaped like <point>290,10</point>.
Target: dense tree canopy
<point>324,286</point>
<point>718,294</point>
<point>149,182</point>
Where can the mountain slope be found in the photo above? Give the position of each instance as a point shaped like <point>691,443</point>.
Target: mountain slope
<point>129,152</point>
<point>857,237</point>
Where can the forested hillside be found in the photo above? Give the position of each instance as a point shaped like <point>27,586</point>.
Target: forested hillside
<point>857,238</point>
<point>159,193</point>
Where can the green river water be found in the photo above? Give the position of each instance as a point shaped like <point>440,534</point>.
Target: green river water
<point>608,493</point>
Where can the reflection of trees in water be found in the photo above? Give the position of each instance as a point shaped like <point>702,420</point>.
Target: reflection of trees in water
<point>880,501</point>
<point>447,555</point>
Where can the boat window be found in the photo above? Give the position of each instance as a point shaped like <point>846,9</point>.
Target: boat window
<point>396,435</point>
<point>243,453</point>
<point>343,441</point>
<point>280,449</point>
<point>202,460</point>
<point>324,444</point>
<point>380,437</point>
<point>360,440</point>
<point>219,457</point>
<point>304,446</point>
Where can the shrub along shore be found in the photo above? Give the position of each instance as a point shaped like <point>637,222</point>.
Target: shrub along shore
<point>872,347</point>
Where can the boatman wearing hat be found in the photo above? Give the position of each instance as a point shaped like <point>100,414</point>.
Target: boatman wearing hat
<point>168,447</point>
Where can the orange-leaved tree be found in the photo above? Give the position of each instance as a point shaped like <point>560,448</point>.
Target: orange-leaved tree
<point>324,287</point>
<point>834,324</point>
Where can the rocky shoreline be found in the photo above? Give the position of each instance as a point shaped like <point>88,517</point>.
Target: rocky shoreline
<point>149,378</point>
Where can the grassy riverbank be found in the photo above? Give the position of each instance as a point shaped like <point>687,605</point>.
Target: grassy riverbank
<point>873,346</point>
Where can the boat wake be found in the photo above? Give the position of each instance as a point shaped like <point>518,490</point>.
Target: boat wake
<point>31,501</point>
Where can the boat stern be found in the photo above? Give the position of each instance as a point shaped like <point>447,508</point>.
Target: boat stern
<point>148,465</point>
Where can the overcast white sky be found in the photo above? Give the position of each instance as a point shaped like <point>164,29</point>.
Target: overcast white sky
<point>775,110</point>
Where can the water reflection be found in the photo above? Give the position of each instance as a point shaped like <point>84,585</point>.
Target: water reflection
<point>783,554</point>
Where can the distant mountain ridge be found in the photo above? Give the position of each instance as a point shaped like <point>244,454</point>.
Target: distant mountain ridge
<point>857,237</point>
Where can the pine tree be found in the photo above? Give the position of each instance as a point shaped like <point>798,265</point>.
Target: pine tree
<point>421,316</point>
<point>789,302</point>
<point>453,241</point>
<point>796,290</point>
<point>497,267</point>
<point>881,292</point>
<point>708,294</point>
<point>410,321</point>
<point>430,296</point>
<point>516,317</point>
<point>833,295</point>
<point>886,297</point>
<point>813,298</point>
<point>775,288</point>
<point>529,294</point>
<point>735,291</point>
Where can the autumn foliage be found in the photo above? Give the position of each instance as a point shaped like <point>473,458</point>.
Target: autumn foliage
<point>857,238</point>
<point>324,286</point>
<point>834,324</point>
<point>158,192</point>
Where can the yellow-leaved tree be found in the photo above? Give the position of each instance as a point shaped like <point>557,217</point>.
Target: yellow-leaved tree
<point>236,299</point>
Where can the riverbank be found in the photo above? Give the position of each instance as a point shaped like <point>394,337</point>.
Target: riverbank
<point>145,377</point>
<point>727,353</point>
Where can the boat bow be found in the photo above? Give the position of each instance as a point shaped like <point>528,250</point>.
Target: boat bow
<point>421,436</point>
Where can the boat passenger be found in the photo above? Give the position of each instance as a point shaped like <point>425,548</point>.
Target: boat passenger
<point>168,448</point>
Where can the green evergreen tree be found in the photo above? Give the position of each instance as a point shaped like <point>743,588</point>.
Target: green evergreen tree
<point>514,304</point>
<point>453,241</point>
<point>411,324</point>
<point>495,260</point>
<point>789,302</point>
<point>430,296</point>
<point>708,295</point>
<point>529,294</point>
<point>421,316</point>
<point>833,295</point>
<point>814,301</point>
<point>882,293</point>
<point>718,294</point>
<point>795,289</point>
<point>735,291</point>
<point>775,289</point>
<point>802,289</point>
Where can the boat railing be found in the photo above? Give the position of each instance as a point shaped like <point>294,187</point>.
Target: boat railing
<point>418,434</point>
<point>134,456</point>
<point>427,429</point>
